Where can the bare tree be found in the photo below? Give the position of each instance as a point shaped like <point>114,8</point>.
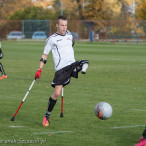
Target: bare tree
<point>80,9</point>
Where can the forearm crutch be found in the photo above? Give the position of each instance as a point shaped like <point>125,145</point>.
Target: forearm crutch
<point>61,115</point>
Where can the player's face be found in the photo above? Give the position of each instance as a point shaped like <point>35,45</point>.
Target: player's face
<point>61,27</point>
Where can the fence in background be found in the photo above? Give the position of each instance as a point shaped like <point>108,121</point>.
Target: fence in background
<point>101,30</point>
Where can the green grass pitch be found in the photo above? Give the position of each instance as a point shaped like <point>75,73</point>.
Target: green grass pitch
<point>116,74</point>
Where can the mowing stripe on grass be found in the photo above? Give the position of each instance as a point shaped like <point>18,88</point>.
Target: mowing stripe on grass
<point>130,126</point>
<point>55,132</point>
<point>141,110</point>
<point>115,66</point>
<point>16,126</point>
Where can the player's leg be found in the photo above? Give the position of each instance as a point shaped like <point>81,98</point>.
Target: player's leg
<point>52,101</point>
<point>57,92</point>
<point>3,72</point>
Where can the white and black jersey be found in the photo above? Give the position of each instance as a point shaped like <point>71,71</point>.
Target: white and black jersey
<point>62,50</point>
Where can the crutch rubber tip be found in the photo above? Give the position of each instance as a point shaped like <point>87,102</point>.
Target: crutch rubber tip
<point>13,118</point>
<point>61,115</point>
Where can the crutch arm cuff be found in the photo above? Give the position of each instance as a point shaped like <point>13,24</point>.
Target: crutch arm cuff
<point>43,60</point>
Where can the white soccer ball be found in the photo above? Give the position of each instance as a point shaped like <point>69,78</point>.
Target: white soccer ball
<point>103,110</point>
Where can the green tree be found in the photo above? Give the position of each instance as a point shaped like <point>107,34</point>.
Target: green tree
<point>32,13</point>
<point>69,8</point>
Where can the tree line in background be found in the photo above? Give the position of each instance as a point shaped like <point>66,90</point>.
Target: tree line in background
<point>107,18</point>
<point>73,9</point>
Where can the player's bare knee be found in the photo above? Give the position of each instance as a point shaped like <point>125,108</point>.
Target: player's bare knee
<point>57,94</point>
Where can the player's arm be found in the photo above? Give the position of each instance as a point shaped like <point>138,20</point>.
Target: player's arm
<point>43,61</point>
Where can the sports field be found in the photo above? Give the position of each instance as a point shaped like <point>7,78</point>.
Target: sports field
<point>116,74</point>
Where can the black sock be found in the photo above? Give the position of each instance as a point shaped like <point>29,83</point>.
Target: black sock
<point>2,70</point>
<point>51,105</point>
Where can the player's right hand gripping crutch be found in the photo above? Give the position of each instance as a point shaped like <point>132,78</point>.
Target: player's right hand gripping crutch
<point>61,115</point>
<point>13,118</point>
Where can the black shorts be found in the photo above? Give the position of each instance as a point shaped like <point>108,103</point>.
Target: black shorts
<point>62,76</point>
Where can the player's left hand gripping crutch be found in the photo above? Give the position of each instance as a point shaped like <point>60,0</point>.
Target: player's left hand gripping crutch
<point>13,118</point>
<point>61,115</point>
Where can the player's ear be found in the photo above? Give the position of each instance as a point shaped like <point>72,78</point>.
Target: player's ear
<point>56,24</point>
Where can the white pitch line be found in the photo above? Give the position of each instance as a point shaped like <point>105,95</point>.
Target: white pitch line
<point>55,132</point>
<point>16,126</point>
<point>130,126</point>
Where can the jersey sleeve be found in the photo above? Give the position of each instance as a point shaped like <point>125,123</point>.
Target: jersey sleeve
<point>48,46</point>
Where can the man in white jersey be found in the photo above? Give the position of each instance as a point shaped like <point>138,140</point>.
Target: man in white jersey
<point>61,44</point>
